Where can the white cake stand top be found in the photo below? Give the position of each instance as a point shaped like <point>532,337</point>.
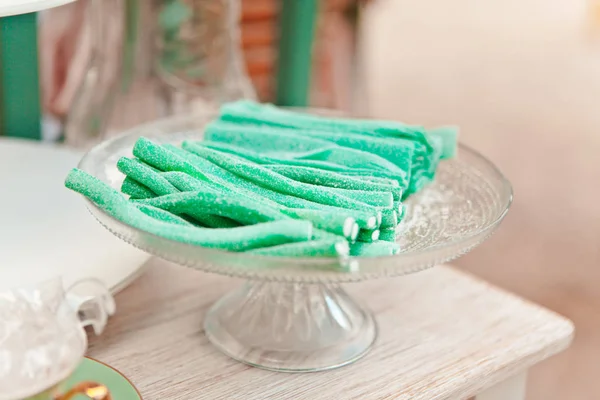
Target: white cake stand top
<point>16,7</point>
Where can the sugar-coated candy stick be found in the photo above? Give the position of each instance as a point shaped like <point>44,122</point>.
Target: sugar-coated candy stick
<point>233,239</point>
<point>198,216</point>
<point>163,159</point>
<point>373,197</point>
<point>321,177</point>
<point>366,220</point>
<point>331,221</point>
<point>446,138</point>
<point>146,176</point>
<point>275,181</point>
<point>368,235</point>
<point>368,144</point>
<point>267,146</point>
<point>277,146</point>
<point>224,205</point>
<point>162,215</point>
<point>374,249</point>
<point>425,156</point>
<point>234,182</point>
<point>375,179</point>
<point>313,248</point>
<point>400,154</point>
<point>339,224</point>
<point>136,190</point>
<point>379,199</point>
<point>345,132</point>
<point>245,111</point>
<point>186,183</point>
<point>210,220</point>
<point>389,219</point>
<point>388,235</point>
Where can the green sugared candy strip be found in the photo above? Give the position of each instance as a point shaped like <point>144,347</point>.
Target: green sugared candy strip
<point>376,179</point>
<point>184,182</point>
<point>244,111</point>
<point>388,235</point>
<point>313,248</point>
<point>400,154</point>
<point>333,222</point>
<point>347,132</point>
<point>162,215</point>
<point>221,204</point>
<point>367,220</point>
<point>233,239</point>
<point>321,177</point>
<point>330,221</point>
<point>347,138</point>
<point>275,181</point>
<point>266,145</point>
<point>249,138</point>
<point>273,146</point>
<point>389,219</point>
<point>446,138</point>
<point>212,221</point>
<point>207,203</point>
<point>372,198</point>
<point>187,183</point>
<point>368,235</point>
<point>145,175</point>
<point>136,190</point>
<point>375,176</point>
<point>164,159</point>
<point>374,249</point>
<point>248,112</point>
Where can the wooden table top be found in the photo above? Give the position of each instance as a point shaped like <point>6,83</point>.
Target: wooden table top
<point>443,335</point>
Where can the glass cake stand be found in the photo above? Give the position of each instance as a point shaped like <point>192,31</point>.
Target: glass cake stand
<point>292,314</point>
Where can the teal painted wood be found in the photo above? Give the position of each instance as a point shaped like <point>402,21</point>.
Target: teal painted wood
<point>20,107</point>
<point>297,25</point>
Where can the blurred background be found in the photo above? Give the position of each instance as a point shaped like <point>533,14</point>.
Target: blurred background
<point>521,78</point>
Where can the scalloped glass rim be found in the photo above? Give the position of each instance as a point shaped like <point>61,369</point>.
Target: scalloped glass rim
<point>103,158</point>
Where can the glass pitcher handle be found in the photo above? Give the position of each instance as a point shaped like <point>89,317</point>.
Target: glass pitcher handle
<point>93,302</point>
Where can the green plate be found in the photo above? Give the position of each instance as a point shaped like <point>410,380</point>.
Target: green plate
<point>92,370</point>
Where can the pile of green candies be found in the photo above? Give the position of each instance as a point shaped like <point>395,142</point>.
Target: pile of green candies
<point>275,182</point>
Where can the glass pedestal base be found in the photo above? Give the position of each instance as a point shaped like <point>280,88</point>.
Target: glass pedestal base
<point>291,327</point>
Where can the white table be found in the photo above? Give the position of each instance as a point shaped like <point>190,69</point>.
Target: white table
<point>443,335</point>
<point>17,7</point>
<point>46,230</point>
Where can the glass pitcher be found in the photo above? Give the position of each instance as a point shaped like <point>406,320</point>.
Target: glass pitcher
<point>42,337</point>
<point>155,58</point>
